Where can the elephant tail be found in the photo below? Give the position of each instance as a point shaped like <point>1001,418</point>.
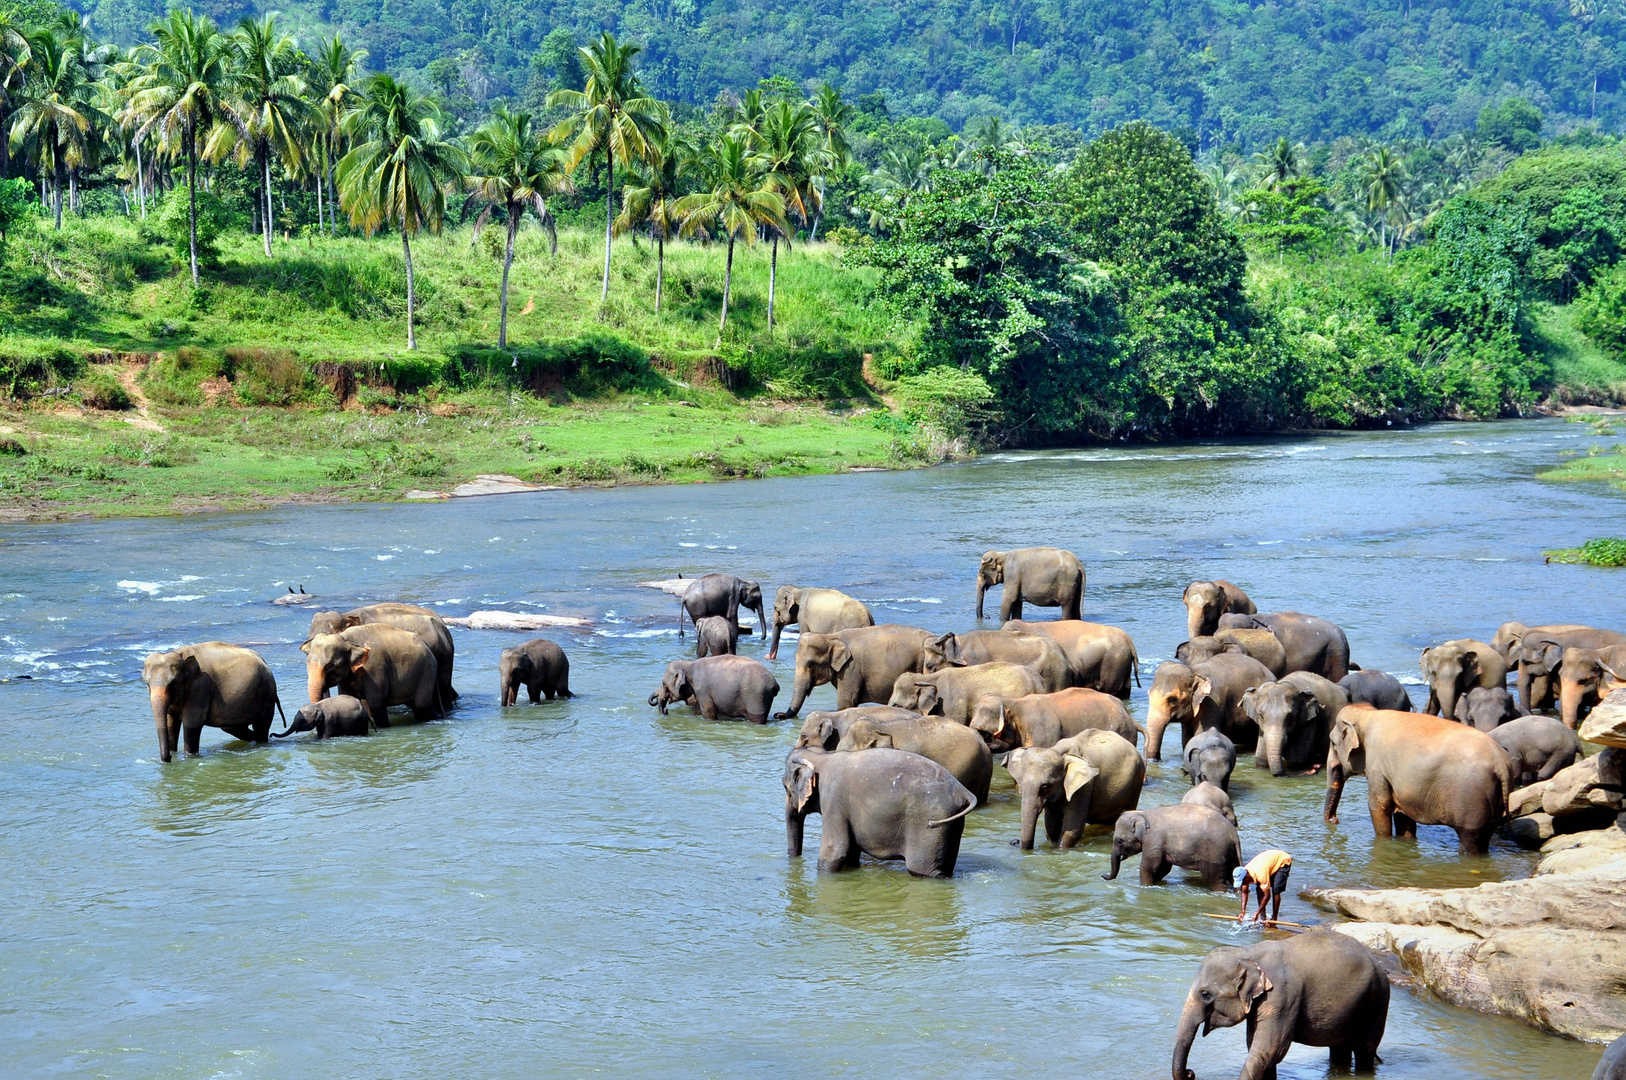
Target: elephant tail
<point>970,806</point>
<point>282,734</point>
<point>1134,664</point>
<point>278,702</point>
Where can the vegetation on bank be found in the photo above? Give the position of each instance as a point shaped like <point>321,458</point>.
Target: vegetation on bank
<point>1600,552</point>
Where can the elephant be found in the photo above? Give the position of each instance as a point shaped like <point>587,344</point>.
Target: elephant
<point>1319,988</point>
<point>1212,796</point>
<point>954,692</point>
<point>715,636</point>
<point>719,687</point>
<point>1509,634</point>
<point>1612,1066</point>
<point>1038,652</point>
<point>824,730</point>
<point>721,594</point>
<point>1046,719</point>
<point>1311,643</point>
<point>539,665</point>
<point>430,628</point>
<point>1540,653</point>
<point>954,746</point>
<point>1586,677</point>
<point>1101,657</point>
<point>1294,715</point>
<point>817,611</point>
<point>1206,694</point>
<point>1259,644</point>
<point>1206,601</point>
<point>888,804</point>
<point>1454,668</point>
<point>331,718</point>
<point>209,685</point>
<point>1376,688</point>
<point>1088,779</point>
<point>380,665</point>
<point>1539,747</point>
<point>1486,709</point>
<point>1420,770</point>
<point>1042,576</point>
<point>863,663</point>
<point>1188,835</point>
<point>1210,758</point>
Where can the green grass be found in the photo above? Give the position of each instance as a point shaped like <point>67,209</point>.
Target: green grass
<point>1583,372</point>
<point>1600,552</point>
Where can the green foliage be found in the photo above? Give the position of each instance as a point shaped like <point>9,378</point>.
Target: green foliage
<point>1513,125</point>
<point>1600,552</point>
<point>1574,202</point>
<point>955,401</point>
<point>1601,310</point>
<point>1288,217</point>
<point>101,389</point>
<point>171,223</point>
<point>17,203</point>
<point>586,366</point>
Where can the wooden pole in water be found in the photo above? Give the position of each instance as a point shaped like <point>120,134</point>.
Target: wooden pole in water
<point>1264,922</point>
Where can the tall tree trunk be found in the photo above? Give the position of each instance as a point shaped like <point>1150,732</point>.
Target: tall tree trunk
<point>814,235</point>
<point>1594,113</point>
<point>265,188</point>
<point>141,178</point>
<point>507,262</point>
<point>728,284</point>
<point>192,200</point>
<point>660,270</point>
<point>332,192</point>
<point>321,222</point>
<point>773,273</point>
<point>609,221</point>
<point>406,249</point>
<point>56,197</point>
<point>73,188</point>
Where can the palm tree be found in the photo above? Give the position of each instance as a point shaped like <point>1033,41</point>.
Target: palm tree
<point>1281,162</point>
<point>1382,176</point>
<point>271,102</point>
<point>334,68</point>
<point>652,200</point>
<point>184,91</point>
<point>613,115</point>
<point>15,53</point>
<point>832,115</point>
<point>53,123</point>
<point>513,168</point>
<point>740,200</point>
<point>789,155</point>
<point>397,176</point>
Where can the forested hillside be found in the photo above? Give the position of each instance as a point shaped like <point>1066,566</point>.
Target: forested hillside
<point>1219,72</point>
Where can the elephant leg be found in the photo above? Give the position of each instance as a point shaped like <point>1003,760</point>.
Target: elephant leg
<point>1052,821</point>
<point>1152,868</point>
<point>707,708</point>
<point>1339,1057</point>
<point>1433,706</point>
<point>534,692</point>
<point>1473,842</point>
<point>1010,604</point>
<point>924,854</point>
<point>1073,608</point>
<point>1381,806</point>
<point>239,731</point>
<point>1405,827</point>
<point>836,847</point>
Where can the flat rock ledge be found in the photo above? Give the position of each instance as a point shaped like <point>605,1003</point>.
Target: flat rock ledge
<point>484,484</point>
<point>1549,950</point>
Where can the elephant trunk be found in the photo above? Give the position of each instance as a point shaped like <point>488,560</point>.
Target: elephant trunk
<point>658,699</point>
<point>1157,722</point>
<point>802,687</point>
<point>1448,700</point>
<point>1570,699</point>
<point>1273,749</point>
<point>1194,623</point>
<point>793,829</point>
<point>762,621</point>
<point>1117,858</point>
<point>1335,791</point>
<point>1525,696</point>
<point>1031,804</point>
<point>160,717</point>
<point>773,646</point>
<point>982,587</point>
<point>1190,1017</point>
<point>316,680</point>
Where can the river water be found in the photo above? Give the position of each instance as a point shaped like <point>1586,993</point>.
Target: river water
<point>585,887</point>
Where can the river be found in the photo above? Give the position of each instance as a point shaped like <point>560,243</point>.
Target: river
<point>584,887</point>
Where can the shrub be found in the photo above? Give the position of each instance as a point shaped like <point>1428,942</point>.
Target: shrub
<point>10,447</point>
<point>1604,551</point>
<point>266,376</point>
<point>101,390</point>
<point>951,399</point>
<point>586,365</point>
<point>25,373</point>
<point>173,379</point>
<point>171,223</point>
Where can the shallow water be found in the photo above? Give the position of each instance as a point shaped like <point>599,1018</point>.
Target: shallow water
<point>587,887</point>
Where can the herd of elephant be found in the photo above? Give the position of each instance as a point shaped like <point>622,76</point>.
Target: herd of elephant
<point>921,718</point>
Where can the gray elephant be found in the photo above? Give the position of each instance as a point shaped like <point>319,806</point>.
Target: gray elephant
<point>1454,668</point>
<point>863,663</point>
<point>1486,709</point>
<point>1206,601</point>
<point>1046,719</point>
<point>380,665</point>
<point>824,729</point>
<point>429,626</point>
<point>1099,657</point>
<point>954,692</point>
<point>1090,778</point>
<point>1539,746</point>
<point>1206,694</point>
<point>1188,835</point>
<point>1259,644</point>
<point>1376,688</point>
<point>1420,770</point>
<point>539,665</point>
<point>887,804</point>
<point>816,611</point>
<point>954,746</point>
<point>331,718</point>
<point>1312,643</point>
<point>1612,1066</point>
<point>1320,988</point>
<point>715,636</point>
<point>209,685</point>
<point>1210,758</point>
<point>1042,576</point>
<point>719,688</point>
<point>1509,634</point>
<point>1013,647</point>
<point>1213,797</point>
<point>721,594</point>
<point>1586,677</point>
<point>1540,655</point>
<point>1294,715</point>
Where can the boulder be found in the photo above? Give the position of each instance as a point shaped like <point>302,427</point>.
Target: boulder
<point>1612,768</point>
<point>1534,830</point>
<point>1577,790</point>
<point>1606,725</point>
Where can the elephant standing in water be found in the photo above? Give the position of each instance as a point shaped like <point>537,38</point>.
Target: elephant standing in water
<point>1090,778</point>
<point>1486,709</point>
<point>1538,746</point>
<point>815,611</point>
<point>1100,657</point>
<point>1376,688</point>
<point>1319,988</point>
<point>1046,719</point>
<point>721,594</point>
<point>331,718</point>
<point>1036,651</point>
<point>1206,694</point>
<point>1294,715</point>
<point>1456,667</point>
<point>886,803</point>
<point>1312,643</point>
<point>1210,758</point>
<point>539,665</point>
<point>954,692</point>
<point>209,685</point>
<point>863,663</point>
<point>719,687</point>
<point>1213,797</point>
<point>1262,645</point>
<point>1206,601</point>
<point>954,746</point>
<point>715,636</point>
<point>1192,836</point>
<point>824,729</point>
<point>1586,677</point>
<point>1539,654</point>
<point>380,665</point>
<point>429,627</point>
<point>1043,576</point>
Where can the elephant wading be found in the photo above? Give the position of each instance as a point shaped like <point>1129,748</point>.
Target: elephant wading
<point>1586,677</point>
<point>1042,576</point>
<point>1540,654</point>
<point>824,730</point>
<point>380,665</point>
<point>1190,835</point>
<point>429,627</point>
<point>1538,746</point>
<point>1012,647</point>
<point>1259,644</point>
<point>719,688</point>
<point>1210,758</point>
<point>1319,988</point>
<point>1206,694</point>
<point>1100,657</point>
<point>954,746</point>
<point>1206,601</point>
<point>863,663</point>
<point>1485,709</point>
<point>1046,719</point>
<point>721,594</point>
<point>888,804</point>
<point>1420,770</point>
<point>1376,688</point>
<point>815,611</point>
<point>1454,668</point>
<point>1311,643</point>
<point>715,636</point>
<point>538,665</point>
<point>1088,779</point>
<point>954,692</point>
<point>1294,715</point>
<point>331,718</point>
<point>209,685</point>
<point>1213,797</point>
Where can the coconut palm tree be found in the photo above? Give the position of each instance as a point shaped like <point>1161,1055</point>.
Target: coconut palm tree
<point>397,175</point>
<point>334,69</point>
<point>1382,177</point>
<point>612,115</point>
<point>514,168</point>
<point>651,200</point>
<point>53,122</point>
<point>786,143</point>
<point>1281,162</point>
<point>15,53</point>
<point>740,200</point>
<point>183,92</point>
<point>832,115</point>
<point>272,102</point>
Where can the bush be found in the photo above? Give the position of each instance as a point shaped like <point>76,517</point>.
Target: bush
<point>586,365</point>
<point>266,376</point>
<point>1601,310</point>
<point>101,389</point>
<point>171,223</point>
<point>27,373</point>
<point>10,447</point>
<point>174,379</point>
<point>951,399</point>
<point>1601,552</point>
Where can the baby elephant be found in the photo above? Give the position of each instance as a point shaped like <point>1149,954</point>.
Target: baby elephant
<point>540,665</point>
<point>719,687</point>
<point>1378,689</point>
<point>1189,836</point>
<point>1088,779</point>
<point>715,636</point>
<point>1210,757</point>
<point>1538,745</point>
<point>1486,708</point>
<point>334,717</point>
<point>1206,794</point>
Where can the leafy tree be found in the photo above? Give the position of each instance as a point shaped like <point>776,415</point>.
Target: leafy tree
<point>1573,202</point>
<point>1382,178</point>
<point>1515,125</point>
<point>651,199</point>
<point>15,54</point>
<point>1288,216</point>
<point>739,201</point>
<point>272,104</point>
<point>786,140</point>
<point>334,69</point>
<point>184,221</point>
<point>54,120</point>
<point>16,203</point>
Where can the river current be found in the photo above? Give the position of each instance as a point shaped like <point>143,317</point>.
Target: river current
<point>587,888</point>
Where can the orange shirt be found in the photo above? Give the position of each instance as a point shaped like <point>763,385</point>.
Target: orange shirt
<point>1266,863</point>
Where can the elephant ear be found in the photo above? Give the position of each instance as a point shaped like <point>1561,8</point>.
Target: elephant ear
<point>1137,827</point>
<point>807,783</point>
<point>306,648</point>
<point>1470,663</point>
<point>1015,763</point>
<point>948,646</point>
<point>840,656</point>
<point>1185,595</point>
<point>1552,656</point>
<point>926,698</point>
<point>189,667</point>
<point>1202,688</point>
<point>359,662</point>
<point>1616,671</point>
<point>1248,701</point>
<point>1253,983</point>
<point>1079,772</point>
<point>682,684</point>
